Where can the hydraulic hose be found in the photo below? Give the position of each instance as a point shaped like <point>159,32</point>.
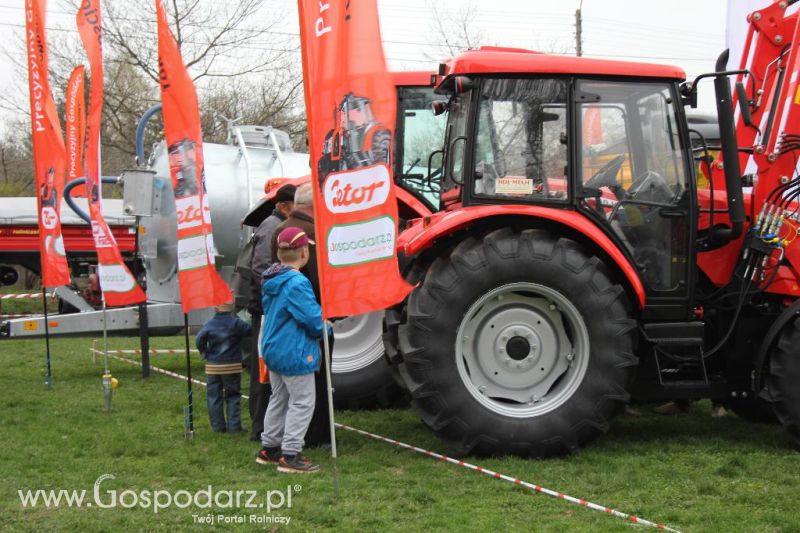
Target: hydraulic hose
<point>140,160</point>
<point>111,180</point>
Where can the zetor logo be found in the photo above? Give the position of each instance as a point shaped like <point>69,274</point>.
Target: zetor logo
<point>190,214</point>
<point>357,190</point>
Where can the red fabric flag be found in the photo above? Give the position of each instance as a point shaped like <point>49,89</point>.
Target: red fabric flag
<point>48,149</point>
<point>76,127</point>
<point>592,127</point>
<point>116,281</point>
<point>350,106</point>
<point>201,285</point>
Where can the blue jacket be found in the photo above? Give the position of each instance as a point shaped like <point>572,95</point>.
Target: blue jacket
<point>292,322</point>
<point>220,339</point>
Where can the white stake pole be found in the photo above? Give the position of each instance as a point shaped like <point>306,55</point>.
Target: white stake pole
<point>329,382</point>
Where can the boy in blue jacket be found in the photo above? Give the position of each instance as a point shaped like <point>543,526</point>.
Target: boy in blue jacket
<point>290,347</point>
<point>220,342</point>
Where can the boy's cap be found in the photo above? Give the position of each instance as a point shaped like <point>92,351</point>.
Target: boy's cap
<point>293,237</point>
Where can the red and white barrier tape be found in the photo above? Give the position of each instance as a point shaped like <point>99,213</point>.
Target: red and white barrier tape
<point>515,481</point>
<point>153,368</point>
<point>21,296</point>
<point>491,473</point>
<point>152,351</point>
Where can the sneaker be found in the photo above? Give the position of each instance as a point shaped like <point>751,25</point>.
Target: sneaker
<point>268,456</point>
<point>296,464</point>
<point>718,411</point>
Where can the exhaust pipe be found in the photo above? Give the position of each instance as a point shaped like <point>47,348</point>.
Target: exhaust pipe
<point>730,155</point>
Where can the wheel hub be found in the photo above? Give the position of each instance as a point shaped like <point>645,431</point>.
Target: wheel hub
<point>518,348</point>
<point>514,347</point>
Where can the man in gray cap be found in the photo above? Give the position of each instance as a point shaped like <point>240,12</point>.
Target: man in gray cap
<point>260,258</point>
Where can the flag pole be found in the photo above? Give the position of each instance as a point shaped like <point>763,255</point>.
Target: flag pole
<point>48,376</point>
<point>189,422</point>
<point>106,372</point>
<point>327,349</point>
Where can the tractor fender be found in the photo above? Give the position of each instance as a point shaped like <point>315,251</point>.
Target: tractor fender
<point>411,202</point>
<point>421,233</point>
<point>784,318</point>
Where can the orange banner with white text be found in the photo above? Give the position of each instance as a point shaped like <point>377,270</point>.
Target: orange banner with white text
<point>351,105</point>
<point>116,281</point>
<point>48,150</point>
<point>76,127</point>
<point>200,284</point>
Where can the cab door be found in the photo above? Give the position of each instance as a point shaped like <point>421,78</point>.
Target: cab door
<point>634,174</point>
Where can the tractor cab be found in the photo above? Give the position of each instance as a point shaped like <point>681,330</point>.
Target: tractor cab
<point>602,138</point>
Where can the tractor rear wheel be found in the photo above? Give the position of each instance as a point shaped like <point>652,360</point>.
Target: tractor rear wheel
<point>381,149</point>
<point>517,343</point>
<point>782,377</point>
<point>361,378</point>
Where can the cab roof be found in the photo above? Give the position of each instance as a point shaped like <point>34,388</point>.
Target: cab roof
<point>496,60</point>
<point>414,78</point>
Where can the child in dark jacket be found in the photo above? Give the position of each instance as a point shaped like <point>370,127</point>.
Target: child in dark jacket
<point>290,347</point>
<point>220,342</point>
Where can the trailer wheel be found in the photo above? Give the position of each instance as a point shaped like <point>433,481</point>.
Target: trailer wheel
<point>782,377</point>
<point>360,375</point>
<point>517,344</point>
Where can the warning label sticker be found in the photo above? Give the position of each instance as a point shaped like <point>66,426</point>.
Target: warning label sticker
<point>513,186</point>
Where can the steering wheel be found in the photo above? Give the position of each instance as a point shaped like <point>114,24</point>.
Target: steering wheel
<point>650,187</point>
<point>606,176</point>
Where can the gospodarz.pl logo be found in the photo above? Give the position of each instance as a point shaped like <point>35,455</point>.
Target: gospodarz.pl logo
<point>206,501</point>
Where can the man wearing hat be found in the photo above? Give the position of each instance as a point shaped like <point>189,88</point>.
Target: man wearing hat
<point>255,258</point>
<point>303,217</point>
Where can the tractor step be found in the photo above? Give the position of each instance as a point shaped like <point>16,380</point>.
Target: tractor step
<point>653,391</point>
<point>675,333</point>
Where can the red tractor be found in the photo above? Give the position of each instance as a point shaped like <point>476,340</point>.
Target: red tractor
<point>358,139</point>
<point>576,264</point>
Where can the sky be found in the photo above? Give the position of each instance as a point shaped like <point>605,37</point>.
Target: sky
<point>686,33</point>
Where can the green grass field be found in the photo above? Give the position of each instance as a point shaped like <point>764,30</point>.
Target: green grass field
<point>692,472</point>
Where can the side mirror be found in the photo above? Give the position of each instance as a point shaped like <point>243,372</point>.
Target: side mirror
<point>438,107</point>
<point>462,84</point>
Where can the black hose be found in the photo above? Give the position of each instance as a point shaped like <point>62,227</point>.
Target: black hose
<point>111,180</point>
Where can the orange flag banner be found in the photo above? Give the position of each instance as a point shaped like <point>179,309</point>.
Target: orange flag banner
<point>116,281</point>
<point>350,106</point>
<point>76,127</point>
<point>48,149</point>
<point>201,286</point>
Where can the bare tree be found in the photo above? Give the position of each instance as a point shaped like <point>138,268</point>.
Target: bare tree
<point>454,31</point>
<point>243,65</point>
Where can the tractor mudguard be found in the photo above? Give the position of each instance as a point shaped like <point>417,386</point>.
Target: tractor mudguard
<point>424,231</point>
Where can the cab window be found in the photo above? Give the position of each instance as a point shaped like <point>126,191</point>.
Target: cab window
<point>521,143</point>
